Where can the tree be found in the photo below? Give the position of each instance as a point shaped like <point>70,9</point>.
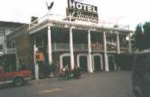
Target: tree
<point>138,38</point>
<point>142,37</point>
<point>146,28</point>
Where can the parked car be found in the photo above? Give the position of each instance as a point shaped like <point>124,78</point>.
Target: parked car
<point>141,74</point>
<point>17,78</point>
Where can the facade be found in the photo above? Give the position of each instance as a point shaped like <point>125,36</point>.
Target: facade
<point>5,29</point>
<point>89,46</point>
<point>77,39</point>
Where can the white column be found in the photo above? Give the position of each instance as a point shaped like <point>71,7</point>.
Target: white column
<point>5,47</point>
<point>71,48</point>
<point>118,43</point>
<point>36,66</point>
<point>49,45</point>
<point>90,69</point>
<point>118,50</point>
<point>78,60</point>
<point>130,45</point>
<point>17,60</point>
<point>105,52</point>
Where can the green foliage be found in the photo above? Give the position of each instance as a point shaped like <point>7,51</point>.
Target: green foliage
<point>142,37</point>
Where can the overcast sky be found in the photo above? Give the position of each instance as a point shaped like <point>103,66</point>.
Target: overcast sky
<point>126,12</point>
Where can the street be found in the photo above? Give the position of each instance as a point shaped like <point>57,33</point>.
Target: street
<point>100,84</point>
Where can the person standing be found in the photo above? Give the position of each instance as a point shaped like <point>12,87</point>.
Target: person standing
<point>41,63</point>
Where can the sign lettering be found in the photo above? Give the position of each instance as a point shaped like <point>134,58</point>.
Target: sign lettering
<point>82,6</point>
<point>82,11</point>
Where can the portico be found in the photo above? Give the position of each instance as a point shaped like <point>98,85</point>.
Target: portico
<point>74,39</point>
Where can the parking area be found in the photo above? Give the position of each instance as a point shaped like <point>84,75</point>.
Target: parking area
<point>100,84</point>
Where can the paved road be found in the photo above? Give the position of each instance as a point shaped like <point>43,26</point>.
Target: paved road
<point>101,84</point>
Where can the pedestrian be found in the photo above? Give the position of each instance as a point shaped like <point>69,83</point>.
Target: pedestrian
<point>41,62</point>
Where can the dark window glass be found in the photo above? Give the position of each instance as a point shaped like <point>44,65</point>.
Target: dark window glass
<point>1,47</point>
<point>13,44</point>
<point>2,32</point>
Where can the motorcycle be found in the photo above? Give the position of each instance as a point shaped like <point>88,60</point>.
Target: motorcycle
<point>66,73</point>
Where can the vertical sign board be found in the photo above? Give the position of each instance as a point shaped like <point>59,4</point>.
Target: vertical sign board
<point>82,11</point>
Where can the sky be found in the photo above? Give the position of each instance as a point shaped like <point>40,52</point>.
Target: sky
<point>124,12</point>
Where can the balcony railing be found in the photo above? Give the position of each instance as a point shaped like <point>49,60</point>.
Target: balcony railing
<point>123,49</point>
<point>77,47</point>
<point>84,47</point>
<point>11,51</point>
<point>60,47</point>
<point>80,47</point>
<point>64,18</point>
<point>65,47</point>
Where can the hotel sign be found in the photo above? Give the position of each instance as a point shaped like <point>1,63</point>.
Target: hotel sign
<point>82,11</point>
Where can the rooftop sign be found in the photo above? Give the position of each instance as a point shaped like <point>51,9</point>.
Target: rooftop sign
<point>82,11</point>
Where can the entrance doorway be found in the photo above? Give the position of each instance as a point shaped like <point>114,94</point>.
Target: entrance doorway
<point>97,62</point>
<point>83,63</point>
<point>66,61</point>
<point>111,62</point>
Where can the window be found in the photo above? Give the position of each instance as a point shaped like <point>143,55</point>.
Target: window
<point>13,44</point>
<point>2,32</point>
<point>1,48</point>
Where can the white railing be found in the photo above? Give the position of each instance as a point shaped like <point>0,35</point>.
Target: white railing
<point>11,51</point>
<point>60,47</point>
<point>68,18</point>
<point>113,43</point>
<point>65,47</point>
<point>77,47</point>
<point>80,47</point>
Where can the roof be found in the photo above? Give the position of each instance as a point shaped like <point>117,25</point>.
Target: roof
<point>7,24</point>
<point>67,24</point>
<point>57,20</point>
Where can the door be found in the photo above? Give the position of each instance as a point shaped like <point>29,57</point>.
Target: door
<point>66,61</point>
<point>111,63</point>
<point>97,63</point>
<point>83,63</point>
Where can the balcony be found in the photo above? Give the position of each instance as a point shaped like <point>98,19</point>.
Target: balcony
<point>77,47</point>
<point>95,47</point>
